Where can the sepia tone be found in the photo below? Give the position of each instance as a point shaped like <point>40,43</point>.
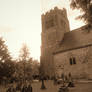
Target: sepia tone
<point>65,62</point>
<point>65,50</point>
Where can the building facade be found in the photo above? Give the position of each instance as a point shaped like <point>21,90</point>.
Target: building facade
<point>63,50</point>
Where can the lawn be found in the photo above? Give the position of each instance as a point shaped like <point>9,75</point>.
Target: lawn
<point>79,87</point>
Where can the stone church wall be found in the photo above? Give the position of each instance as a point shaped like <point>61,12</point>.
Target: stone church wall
<point>54,25</point>
<point>83,63</point>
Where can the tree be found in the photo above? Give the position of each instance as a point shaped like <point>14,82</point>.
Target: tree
<point>24,58</point>
<point>35,68</point>
<point>29,69</point>
<point>19,72</point>
<point>86,7</point>
<point>4,53</point>
<point>6,64</point>
<point>24,53</point>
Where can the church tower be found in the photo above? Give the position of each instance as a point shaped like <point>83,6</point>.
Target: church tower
<point>54,25</point>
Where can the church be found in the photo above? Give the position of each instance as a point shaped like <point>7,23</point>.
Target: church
<point>64,50</point>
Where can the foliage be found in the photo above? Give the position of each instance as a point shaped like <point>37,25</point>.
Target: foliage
<point>4,53</point>
<point>8,69</point>
<point>15,70</point>
<point>6,63</point>
<point>35,68</point>
<point>19,71</point>
<point>86,7</point>
<point>24,53</point>
<point>29,67</point>
<point>24,59</point>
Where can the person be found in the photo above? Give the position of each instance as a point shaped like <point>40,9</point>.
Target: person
<point>10,89</point>
<point>55,80</point>
<point>18,87</point>
<point>13,90</point>
<point>70,84</point>
<point>29,88</point>
<point>24,88</point>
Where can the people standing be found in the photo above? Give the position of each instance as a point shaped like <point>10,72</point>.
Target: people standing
<point>29,88</point>
<point>24,88</point>
<point>11,89</point>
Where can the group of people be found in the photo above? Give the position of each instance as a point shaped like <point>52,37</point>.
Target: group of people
<point>20,87</point>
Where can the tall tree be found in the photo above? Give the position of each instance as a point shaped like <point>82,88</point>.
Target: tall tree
<point>86,7</point>
<point>24,53</point>
<point>6,64</point>
<point>24,58</point>
<point>4,53</point>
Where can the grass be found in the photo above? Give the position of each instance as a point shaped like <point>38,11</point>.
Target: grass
<point>79,87</point>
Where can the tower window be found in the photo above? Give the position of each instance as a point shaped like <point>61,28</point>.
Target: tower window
<point>72,61</point>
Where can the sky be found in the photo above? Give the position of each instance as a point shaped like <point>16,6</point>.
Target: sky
<point>20,22</point>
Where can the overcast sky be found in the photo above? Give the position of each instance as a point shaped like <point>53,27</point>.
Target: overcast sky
<point>20,22</point>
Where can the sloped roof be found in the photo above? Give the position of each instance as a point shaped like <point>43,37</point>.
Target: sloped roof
<point>75,39</point>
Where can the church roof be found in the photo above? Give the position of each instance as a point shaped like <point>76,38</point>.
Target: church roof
<point>75,39</point>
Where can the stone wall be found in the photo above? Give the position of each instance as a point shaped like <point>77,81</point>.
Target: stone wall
<point>83,66</point>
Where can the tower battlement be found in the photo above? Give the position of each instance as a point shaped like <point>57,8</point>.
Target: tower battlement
<point>54,11</point>
<point>55,17</point>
